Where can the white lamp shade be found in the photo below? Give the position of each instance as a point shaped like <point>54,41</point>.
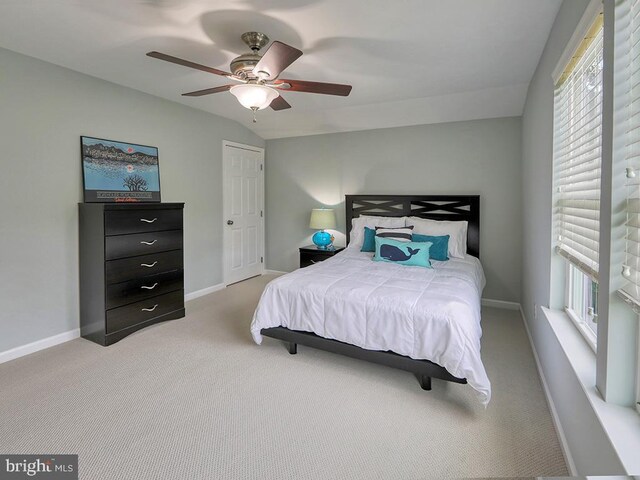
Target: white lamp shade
<point>254,96</point>
<point>322,218</point>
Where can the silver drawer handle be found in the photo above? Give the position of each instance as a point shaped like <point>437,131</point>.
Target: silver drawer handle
<point>148,221</point>
<point>151,287</point>
<point>149,265</point>
<point>150,243</point>
<point>150,309</point>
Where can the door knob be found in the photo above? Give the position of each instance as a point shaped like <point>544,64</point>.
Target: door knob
<point>229,222</point>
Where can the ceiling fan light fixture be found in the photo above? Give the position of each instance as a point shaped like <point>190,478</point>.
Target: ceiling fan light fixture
<point>253,96</point>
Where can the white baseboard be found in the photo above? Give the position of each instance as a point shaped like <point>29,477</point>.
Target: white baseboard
<point>273,272</point>
<point>220,286</point>
<point>488,302</point>
<point>204,291</point>
<point>552,407</point>
<point>38,345</point>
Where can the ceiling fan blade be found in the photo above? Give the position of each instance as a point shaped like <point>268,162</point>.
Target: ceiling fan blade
<point>316,87</point>
<point>279,103</point>
<point>277,57</point>
<point>187,63</point>
<point>207,91</point>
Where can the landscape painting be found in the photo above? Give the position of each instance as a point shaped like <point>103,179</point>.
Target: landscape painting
<point>119,172</point>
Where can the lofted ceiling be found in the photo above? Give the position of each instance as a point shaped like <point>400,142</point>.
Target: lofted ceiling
<point>410,61</point>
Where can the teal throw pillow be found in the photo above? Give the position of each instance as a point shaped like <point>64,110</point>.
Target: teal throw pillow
<point>403,253</point>
<point>369,242</point>
<point>440,246</point>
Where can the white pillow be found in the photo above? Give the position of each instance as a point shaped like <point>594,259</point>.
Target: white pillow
<point>457,231</point>
<point>356,237</point>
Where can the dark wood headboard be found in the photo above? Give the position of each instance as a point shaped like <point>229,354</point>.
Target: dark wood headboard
<point>434,207</point>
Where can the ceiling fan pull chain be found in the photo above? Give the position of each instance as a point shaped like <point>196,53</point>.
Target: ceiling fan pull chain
<point>254,110</point>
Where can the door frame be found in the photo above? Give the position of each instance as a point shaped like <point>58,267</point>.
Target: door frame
<point>225,245</point>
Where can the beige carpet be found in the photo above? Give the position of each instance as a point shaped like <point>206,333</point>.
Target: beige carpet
<point>195,398</point>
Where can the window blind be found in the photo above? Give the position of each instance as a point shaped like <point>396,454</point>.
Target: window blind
<point>627,131</point>
<point>577,154</point>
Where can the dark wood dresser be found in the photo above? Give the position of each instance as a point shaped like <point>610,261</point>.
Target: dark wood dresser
<point>131,268</point>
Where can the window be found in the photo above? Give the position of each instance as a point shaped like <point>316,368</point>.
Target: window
<point>577,158</point>
<point>627,81</point>
<point>627,146</point>
<point>582,303</point>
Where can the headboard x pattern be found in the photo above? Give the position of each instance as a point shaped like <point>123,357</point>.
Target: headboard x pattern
<point>434,207</point>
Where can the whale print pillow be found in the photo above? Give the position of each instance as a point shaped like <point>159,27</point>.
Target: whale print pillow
<point>414,254</point>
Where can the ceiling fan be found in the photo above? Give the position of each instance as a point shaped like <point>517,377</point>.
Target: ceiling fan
<point>257,75</point>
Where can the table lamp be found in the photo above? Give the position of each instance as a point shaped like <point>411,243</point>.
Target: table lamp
<point>322,218</point>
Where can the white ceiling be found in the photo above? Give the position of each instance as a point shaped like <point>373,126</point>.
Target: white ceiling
<point>410,61</point>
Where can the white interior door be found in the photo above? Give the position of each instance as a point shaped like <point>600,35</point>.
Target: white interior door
<point>243,198</point>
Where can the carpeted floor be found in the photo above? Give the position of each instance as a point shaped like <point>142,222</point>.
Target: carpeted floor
<point>195,398</point>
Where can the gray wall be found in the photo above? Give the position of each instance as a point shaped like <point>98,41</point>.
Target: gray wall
<point>588,443</point>
<point>477,157</point>
<point>43,111</point>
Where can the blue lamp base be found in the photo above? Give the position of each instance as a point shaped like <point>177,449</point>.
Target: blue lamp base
<point>322,240</point>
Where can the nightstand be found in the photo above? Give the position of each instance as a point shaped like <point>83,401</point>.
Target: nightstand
<point>311,254</point>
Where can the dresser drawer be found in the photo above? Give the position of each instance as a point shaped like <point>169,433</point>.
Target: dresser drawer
<point>139,312</point>
<point>119,294</point>
<point>134,267</point>
<point>120,246</point>
<point>142,220</point>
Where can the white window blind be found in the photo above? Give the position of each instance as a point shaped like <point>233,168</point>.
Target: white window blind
<point>577,154</point>
<point>627,131</point>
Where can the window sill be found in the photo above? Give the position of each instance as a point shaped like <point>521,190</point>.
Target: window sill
<point>586,333</point>
<point>621,424</point>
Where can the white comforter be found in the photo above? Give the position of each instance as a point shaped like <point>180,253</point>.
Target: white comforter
<point>421,313</point>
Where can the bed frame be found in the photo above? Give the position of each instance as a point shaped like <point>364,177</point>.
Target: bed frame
<point>435,207</point>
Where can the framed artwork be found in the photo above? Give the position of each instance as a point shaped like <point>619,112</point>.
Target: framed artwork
<point>119,172</point>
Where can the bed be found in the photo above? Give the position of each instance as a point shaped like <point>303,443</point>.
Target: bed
<point>425,321</point>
